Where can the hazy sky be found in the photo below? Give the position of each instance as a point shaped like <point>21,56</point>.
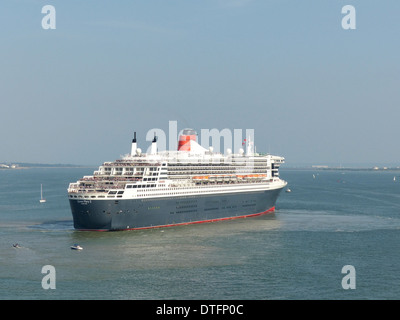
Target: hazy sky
<point>312,91</point>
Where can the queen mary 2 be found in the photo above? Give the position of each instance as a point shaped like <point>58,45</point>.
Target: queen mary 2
<point>169,188</point>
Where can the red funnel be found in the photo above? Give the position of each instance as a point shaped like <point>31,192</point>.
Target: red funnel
<point>185,138</point>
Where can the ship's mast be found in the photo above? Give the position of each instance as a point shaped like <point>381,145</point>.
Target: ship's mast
<point>134,145</point>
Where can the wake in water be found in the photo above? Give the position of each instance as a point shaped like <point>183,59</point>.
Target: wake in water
<point>304,220</point>
<point>63,225</point>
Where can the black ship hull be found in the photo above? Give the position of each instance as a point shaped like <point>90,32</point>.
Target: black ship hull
<point>131,214</point>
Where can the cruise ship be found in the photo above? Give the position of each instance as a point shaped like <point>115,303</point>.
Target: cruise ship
<point>168,188</point>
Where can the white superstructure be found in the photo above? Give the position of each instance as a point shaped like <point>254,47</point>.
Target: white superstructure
<point>192,170</point>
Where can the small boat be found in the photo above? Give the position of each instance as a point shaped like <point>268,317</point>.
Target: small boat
<point>42,200</point>
<point>16,245</point>
<point>76,247</point>
<point>288,190</point>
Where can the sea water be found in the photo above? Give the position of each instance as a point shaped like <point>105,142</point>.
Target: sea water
<point>331,219</point>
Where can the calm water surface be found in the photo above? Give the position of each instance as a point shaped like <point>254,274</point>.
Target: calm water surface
<point>330,219</point>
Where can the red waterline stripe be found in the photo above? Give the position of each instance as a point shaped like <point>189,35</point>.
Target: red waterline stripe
<point>207,221</point>
<point>192,222</point>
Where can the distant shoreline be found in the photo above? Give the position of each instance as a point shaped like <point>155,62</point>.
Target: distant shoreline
<point>20,165</point>
<point>28,165</point>
<point>343,168</point>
